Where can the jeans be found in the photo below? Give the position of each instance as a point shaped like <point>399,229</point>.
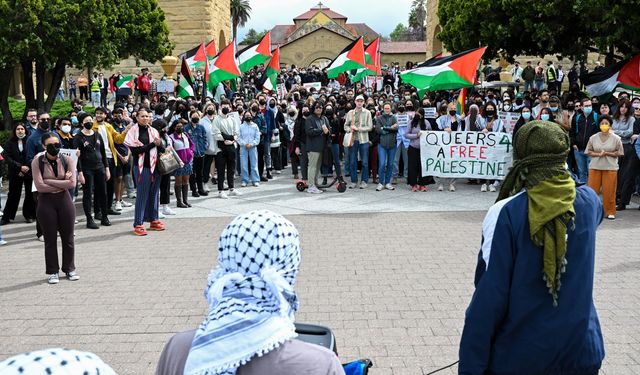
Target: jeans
<point>363,150</point>
<point>386,160</point>
<point>60,95</point>
<point>95,99</point>
<point>249,157</point>
<point>405,159</point>
<point>582,160</point>
<point>528,85</point>
<point>539,85</point>
<point>72,94</point>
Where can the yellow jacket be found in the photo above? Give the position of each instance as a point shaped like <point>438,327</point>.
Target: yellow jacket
<point>113,136</point>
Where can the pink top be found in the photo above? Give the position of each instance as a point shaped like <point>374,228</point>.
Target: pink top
<point>47,182</point>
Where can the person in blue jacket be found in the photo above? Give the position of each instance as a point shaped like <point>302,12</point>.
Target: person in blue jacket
<point>532,312</point>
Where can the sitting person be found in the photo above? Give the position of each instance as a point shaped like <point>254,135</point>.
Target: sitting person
<point>252,288</point>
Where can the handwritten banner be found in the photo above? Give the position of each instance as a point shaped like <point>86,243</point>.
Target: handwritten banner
<point>466,154</point>
<point>509,120</point>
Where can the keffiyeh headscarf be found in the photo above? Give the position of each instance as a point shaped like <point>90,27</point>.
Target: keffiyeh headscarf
<point>250,294</point>
<point>55,362</point>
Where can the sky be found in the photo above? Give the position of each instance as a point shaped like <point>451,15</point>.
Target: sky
<point>383,18</point>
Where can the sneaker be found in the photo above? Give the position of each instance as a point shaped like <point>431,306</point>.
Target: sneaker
<point>363,185</point>
<point>380,187</point>
<point>314,190</point>
<point>234,193</point>
<point>53,278</point>
<point>244,184</point>
<point>452,187</point>
<point>126,204</point>
<point>166,210</point>
<point>353,185</point>
<point>3,242</point>
<point>132,195</point>
<point>73,276</point>
<point>161,215</point>
<point>118,206</point>
<point>206,188</point>
<point>256,184</point>
<point>492,188</point>
<point>157,225</point>
<point>440,187</point>
<point>611,217</point>
<point>222,195</point>
<point>140,230</point>
<point>483,188</point>
<point>424,188</point>
<point>41,238</point>
<point>414,188</point>
<point>389,187</point>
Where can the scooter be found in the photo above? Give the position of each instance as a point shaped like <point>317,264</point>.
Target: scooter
<point>341,185</point>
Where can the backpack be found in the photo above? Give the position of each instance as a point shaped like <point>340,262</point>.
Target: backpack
<point>41,164</point>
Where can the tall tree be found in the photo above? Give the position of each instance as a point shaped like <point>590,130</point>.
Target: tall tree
<point>253,36</point>
<point>398,33</point>
<point>240,14</point>
<point>417,18</point>
<point>49,35</point>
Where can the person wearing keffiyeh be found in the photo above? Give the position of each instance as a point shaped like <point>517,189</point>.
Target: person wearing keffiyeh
<point>55,361</point>
<point>532,311</point>
<point>249,329</point>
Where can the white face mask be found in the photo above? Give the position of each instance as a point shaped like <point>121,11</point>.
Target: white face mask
<point>66,129</point>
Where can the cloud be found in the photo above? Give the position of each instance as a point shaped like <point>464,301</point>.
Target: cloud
<point>382,17</point>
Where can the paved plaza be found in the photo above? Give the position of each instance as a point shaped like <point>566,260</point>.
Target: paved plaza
<point>390,272</point>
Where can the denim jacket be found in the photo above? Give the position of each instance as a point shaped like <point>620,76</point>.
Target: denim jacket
<point>199,137</point>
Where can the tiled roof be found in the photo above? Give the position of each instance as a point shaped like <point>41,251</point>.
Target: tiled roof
<point>279,33</point>
<point>403,47</point>
<point>312,12</point>
<point>362,29</point>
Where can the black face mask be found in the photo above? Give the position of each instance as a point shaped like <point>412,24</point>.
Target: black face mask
<point>329,112</point>
<point>255,109</point>
<point>225,110</point>
<point>44,124</point>
<point>53,149</point>
<point>518,101</point>
<point>211,112</point>
<point>87,125</point>
<point>401,109</point>
<point>247,119</point>
<point>452,112</point>
<point>272,105</point>
<point>490,113</point>
<point>262,102</point>
<point>410,108</point>
<point>179,131</point>
<point>291,114</point>
<point>195,120</point>
<point>305,113</point>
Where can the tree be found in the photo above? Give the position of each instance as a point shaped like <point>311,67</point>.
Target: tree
<point>417,18</point>
<point>253,36</point>
<point>240,14</point>
<point>553,27</point>
<point>398,33</point>
<point>48,35</point>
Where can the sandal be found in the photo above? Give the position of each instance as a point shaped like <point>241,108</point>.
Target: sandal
<point>139,230</point>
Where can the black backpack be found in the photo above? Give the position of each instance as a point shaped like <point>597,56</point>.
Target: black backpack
<point>41,162</point>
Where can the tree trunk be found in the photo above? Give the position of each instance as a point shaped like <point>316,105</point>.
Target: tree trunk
<point>5,81</point>
<point>29,93</point>
<point>235,33</point>
<point>56,80</point>
<point>40,70</point>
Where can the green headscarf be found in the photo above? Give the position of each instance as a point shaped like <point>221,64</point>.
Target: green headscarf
<point>540,150</point>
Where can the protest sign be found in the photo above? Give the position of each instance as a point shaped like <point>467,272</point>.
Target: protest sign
<point>430,112</point>
<point>281,91</point>
<point>309,85</point>
<point>71,153</point>
<point>466,154</point>
<point>509,120</point>
<point>166,86</point>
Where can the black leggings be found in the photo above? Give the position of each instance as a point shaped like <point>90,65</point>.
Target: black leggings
<point>415,168</point>
<point>165,187</point>
<point>196,178</point>
<point>13,198</point>
<point>226,160</point>
<point>94,182</point>
<point>59,214</point>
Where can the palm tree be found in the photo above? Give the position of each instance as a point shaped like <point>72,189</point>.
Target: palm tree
<point>240,14</point>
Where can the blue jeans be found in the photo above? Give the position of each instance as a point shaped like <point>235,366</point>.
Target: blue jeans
<point>148,194</point>
<point>363,149</point>
<point>386,160</point>
<point>528,85</point>
<point>582,160</point>
<point>252,156</point>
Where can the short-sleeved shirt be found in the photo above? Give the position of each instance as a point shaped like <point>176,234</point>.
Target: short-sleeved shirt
<point>597,143</point>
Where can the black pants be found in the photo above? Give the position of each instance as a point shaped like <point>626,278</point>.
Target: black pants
<point>103,97</point>
<point>13,198</point>
<point>629,170</point>
<point>226,161</point>
<point>165,187</point>
<point>276,161</point>
<point>415,168</point>
<point>111,185</point>
<point>260,159</point>
<point>208,161</point>
<point>84,92</point>
<point>196,179</point>
<point>57,210</point>
<point>94,183</point>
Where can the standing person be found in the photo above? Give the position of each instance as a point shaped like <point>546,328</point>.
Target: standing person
<point>289,123</point>
<point>518,304</point>
<point>53,176</point>
<point>95,91</point>
<point>358,122</point>
<point>528,75</point>
<point>583,126</point>
<point>623,126</point>
<point>92,165</point>
<point>225,132</point>
<point>404,120</point>
<point>19,173</point>
<point>198,135</point>
<point>72,84</point>
<point>165,181</point>
<point>145,144</point>
<point>212,146</point>
<point>493,124</point>
<point>259,119</point>
<point>185,148</point>
<point>104,89</point>
<point>605,148</point>
<point>337,130</point>
<point>83,85</point>
<point>415,179</point>
<point>248,141</point>
<point>111,137</point>
<point>299,143</point>
<point>121,161</point>
<point>452,121</point>
<point>316,128</point>
<point>516,73</point>
<point>387,127</point>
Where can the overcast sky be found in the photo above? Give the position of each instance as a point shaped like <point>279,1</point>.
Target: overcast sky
<point>381,16</point>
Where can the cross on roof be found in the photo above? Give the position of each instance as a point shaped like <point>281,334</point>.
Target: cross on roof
<point>320,5</point>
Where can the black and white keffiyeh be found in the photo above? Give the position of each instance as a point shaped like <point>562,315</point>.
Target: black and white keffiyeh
<point>250,294</point>
<point>55,361</point>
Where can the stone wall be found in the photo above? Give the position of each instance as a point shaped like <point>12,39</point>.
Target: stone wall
<point>320,44</point>
<point>434,46</point>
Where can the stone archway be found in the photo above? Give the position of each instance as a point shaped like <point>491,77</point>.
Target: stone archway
<point>222,41</point>
<point>436,43</point>
<point>318,56</point>
<point>321,62</point>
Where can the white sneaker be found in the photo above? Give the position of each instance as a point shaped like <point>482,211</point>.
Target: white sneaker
<point>492,188</point>
<point>126,204</point>
<point>244,184</point>
<point>380,187</point>
<point>53,278</point>
<point>256,184</point>
<point>353,185</point>
<point>483,188</point>
<point>3,242</point>
<point>363,185</point>
<point>452,187</point>
<point>206,188</point>
<point>132,195</point>
<point>225,185</point>
<point>222,195</point>
<point>41,238</point>
<point>160,215</point>
<point>73,276</point>
<point>389,187</point>
<point>234,193</point>
<point>314,190</point>
<point>611,217</point>
<point>166,210</point>
<point>118,206</point>
<point>440,187</point>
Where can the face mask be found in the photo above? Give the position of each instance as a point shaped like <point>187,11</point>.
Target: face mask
<point>272,105</point>
<point>519,101</point>
<point>587,110</point>
<point>409,108</point>
<point>526,115</point>
<point>66,129</point>
<point>211,112</point>
<point>604,128</point>
<point>305,113</point>
<point>314,96</point>
<point>130,109</point>
<point>401,109</point>
<point>553,109</point>
<point>328,112</point>
<point>544,117</point>
<point>396,99</point>
<point>452,112</point>
<point>87,125</point>
<point>195,120</point>
<point>53,149</point>
<point>74,120</point>
<point>247,119</point>
<point>262,102</point>
<point>490,96</point>
<point>178,130</point>
<point>507,108</point>
<point>21,136</point>
<point>254,109</point>
<point>44,124</point>
<point>291,114</point>
<point>491,113</point>
<point>225,110</point>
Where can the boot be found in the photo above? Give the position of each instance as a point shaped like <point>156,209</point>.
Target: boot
<point>201,190</point>
<point>105,221</point>
<point>177,189</point>
<point>91,224</point>
<point>185,194</point>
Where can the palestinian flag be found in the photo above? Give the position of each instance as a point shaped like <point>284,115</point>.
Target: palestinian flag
<point>255,54</point>
<point>125,82</point>
<point>625,73</point>
<point>445,73</point>
<point>185,84</point>
<point>210,50</point>
<point>196,57</point>
<point>352,57</point>
<point>271,82</point>
<point>372,59</point>
<point>223,67</point>
<point>462,99</point>
<point>206,91</point>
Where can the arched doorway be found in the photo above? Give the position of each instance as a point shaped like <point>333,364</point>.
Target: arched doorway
<point>320,62</point>
<point>436,43</point>
<point>222,41</point>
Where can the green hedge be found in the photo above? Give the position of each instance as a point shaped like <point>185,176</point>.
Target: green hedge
<point>60,108</point>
